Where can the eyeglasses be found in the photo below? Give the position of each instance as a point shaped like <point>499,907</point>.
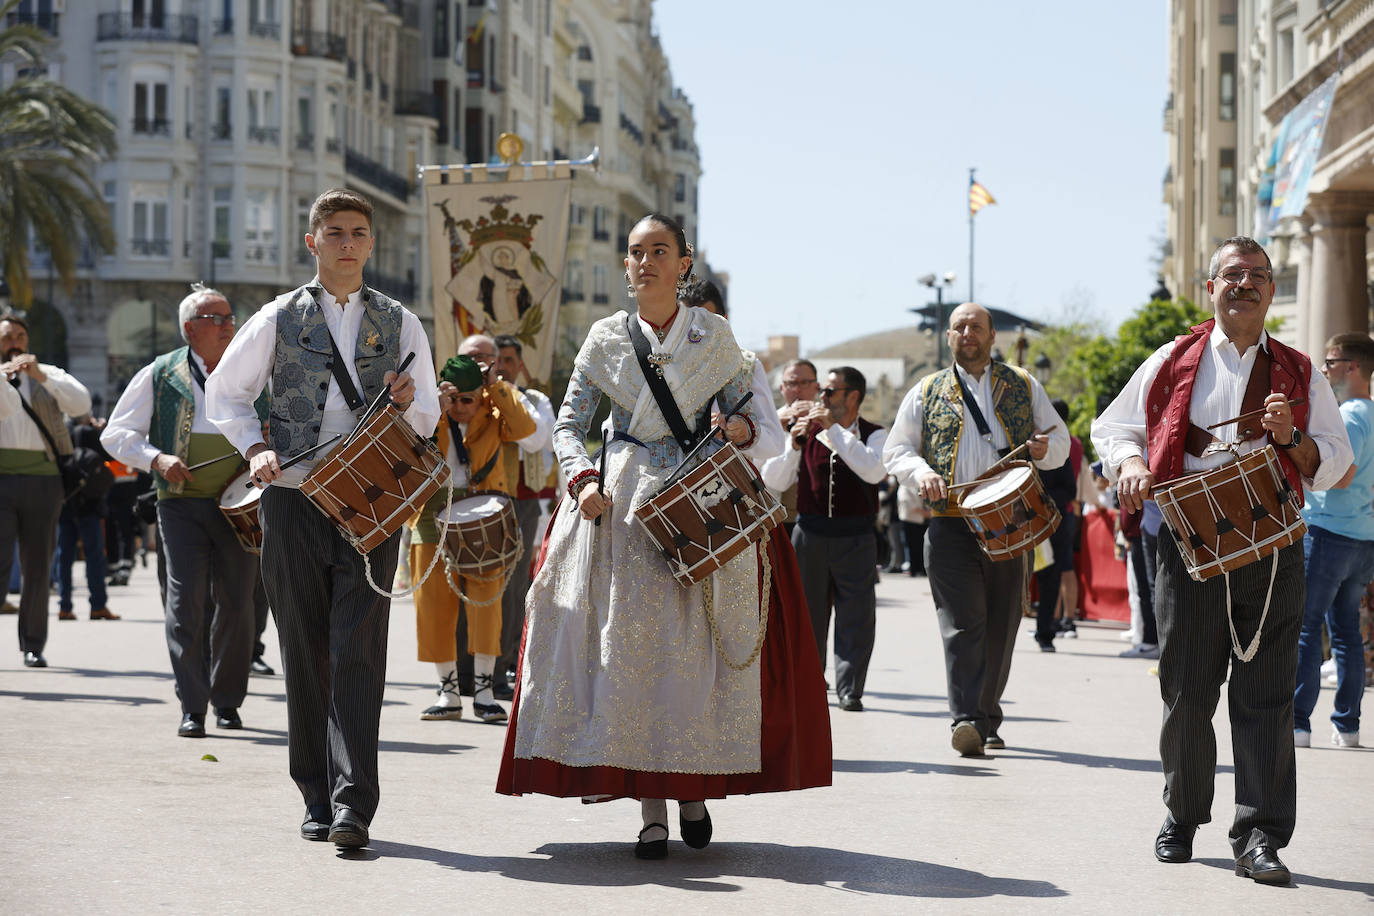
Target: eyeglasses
<point>829,391</point>
<point>1235,275</point>
<point>1332,363</point>
<point>799,383</point>
<point>466,399</point>
<point>218,320</point>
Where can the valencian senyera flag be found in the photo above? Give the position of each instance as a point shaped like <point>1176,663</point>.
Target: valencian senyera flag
<point>497,247</point>
<point>978,197</point>
<point>1292,158</point>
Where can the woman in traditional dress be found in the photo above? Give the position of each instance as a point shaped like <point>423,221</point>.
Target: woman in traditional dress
<point>632,685</point>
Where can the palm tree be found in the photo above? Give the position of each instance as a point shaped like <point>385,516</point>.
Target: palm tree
<point>49,139</point>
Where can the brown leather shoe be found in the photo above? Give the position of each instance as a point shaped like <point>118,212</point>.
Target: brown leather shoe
<point>65,615</point>
<point>104,614</point>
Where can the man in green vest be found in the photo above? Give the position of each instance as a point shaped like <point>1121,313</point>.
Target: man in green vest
<point>160,423</point>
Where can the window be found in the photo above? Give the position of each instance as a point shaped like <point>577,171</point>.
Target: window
<point>150,108</point>
<point>109,192</point>
<point>1227,9</point>
<point>599,230</point>
<point>262,114</point>
<point>223,104</point>
<point>223,201</point>
<point>1226,106</point>
<point>1226,182</point>
<point>260,225</point>
<point>574,281</point>
<point>302,229</point>
<point>186,220</point>
<point>305,123</point>
<point>514,58</point>
<point>187,109</point>
<point>679,187</point>
<point>1284,68</point>
<point>601,290</point>
<point>149,229</point>
<point>440,48</point>
<point>548,86</point>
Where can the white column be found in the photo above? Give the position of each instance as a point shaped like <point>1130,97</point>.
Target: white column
<point>1338,294</point>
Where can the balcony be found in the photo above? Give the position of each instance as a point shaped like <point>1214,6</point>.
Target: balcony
<point>395,287</point>
<point>153,127</point>
<point>222,27</point>
<point>319,44</point>
<point>46,22</point>
<point>265,135</point>
<point>352,69</point>
<point>601,235</point>
<point>570,295</point>
<point>264,254</point>
<point>222,131</point>
<point>333,145</point>
<point>367,80</point>
<point>476,79</point>
<point>220,250</point>
<point>305,142</point>
<point>145,27</point>
<point>601,298</point>
<point>268,30</point>
<point>631,128</point>
<point>591,114</point>
<point>376,174</point>
<point>151,248</point>
<point>420,103</point>
<point>384,90</point>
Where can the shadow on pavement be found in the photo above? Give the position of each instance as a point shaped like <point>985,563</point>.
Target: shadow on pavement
<point>613,865</point>
<point>81,698</point>
<point>1091,760</point>
<point>272,737</point>
<point>905,766</point>
<point>1301,880</point>
<point>111,672</point>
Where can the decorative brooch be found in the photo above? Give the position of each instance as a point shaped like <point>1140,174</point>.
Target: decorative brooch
<point>372,339</point>
<point>695,334</point>
<point>658,360</point>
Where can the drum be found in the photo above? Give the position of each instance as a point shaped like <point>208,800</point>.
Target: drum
<point>710,515</point>
<point>239,503</point>
<point>1233,515</point>
<point>483,537</point>
<point>380,477</point>
<point>1009,512</point>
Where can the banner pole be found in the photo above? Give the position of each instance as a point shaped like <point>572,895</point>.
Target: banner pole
<point>970,239</point>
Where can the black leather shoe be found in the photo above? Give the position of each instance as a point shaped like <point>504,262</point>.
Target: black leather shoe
<point>1263,865</point>
<point>696,834</point>
<point>653,849</point>
<point>503,692</point>
<point>261,668</point>
<point>1175,841</point>
<point>315,826</point>
<point>227,717</point>
<point>34,660</point>
<point>192,725</point>
<point>851,703</point>
<point>348,830</point>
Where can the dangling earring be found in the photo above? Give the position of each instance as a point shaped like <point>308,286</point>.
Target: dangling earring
<point>630,287</point>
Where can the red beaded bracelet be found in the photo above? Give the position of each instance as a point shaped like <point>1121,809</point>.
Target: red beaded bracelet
<point>575,485</point>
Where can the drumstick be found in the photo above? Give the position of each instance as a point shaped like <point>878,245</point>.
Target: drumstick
<point>1254,413</point>
<point>1005,458</point>
<point>601,477</point>
<point>704,439</point>
<point>206,464</point>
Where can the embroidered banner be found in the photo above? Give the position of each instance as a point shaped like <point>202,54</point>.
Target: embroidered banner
<point>497,245</point>
<point>1297,144</point>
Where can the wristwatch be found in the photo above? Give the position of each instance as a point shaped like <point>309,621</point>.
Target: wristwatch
<point>1294,442</point>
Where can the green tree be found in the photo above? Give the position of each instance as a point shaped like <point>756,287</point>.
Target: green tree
<point>49,139</point>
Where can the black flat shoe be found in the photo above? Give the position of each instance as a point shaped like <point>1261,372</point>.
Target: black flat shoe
<point>261,668</point>
<point>228,717</point>
<point>1262,864</point>
<point>348,830</point>
<point>696,834</point>
<point>1175,841</point>
<point>653,849</point>
<point>192,726</point>
<point>34,660</point>
<point>851,703</point>
<point>315,826</point>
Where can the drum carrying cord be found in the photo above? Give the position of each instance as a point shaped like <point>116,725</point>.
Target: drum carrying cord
<point>443,530</point>
<point>1249,653</point>
<point>766,599</point>
<point>510,562</point>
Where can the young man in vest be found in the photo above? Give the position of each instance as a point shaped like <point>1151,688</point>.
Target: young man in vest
<point>835,461</point>
<point>30,485</point>
<point>953,426</point>
<point>1221,369</point>
<point>1340,554</point>
<point>159,423</point>
<point>530,463</point>
<point>328,348</point>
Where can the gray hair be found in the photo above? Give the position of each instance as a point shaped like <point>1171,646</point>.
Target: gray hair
<point>1241,243</point>
<point>476,338</point>
<point>187,310</point>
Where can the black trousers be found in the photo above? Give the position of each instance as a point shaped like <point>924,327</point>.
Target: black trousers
<point>1049,579</point>
<point>29,507</point>
<point>1194,657</point>
<point>333,630</point>
<point>978,603</point>
<point>517,587</point>
<point>841,571</point>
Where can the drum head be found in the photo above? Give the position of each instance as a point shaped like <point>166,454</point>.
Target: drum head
<point>237,493</point>
<point>994,489</point>
<point>471,509</point>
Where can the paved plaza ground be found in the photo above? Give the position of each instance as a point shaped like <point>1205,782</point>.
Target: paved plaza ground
<point>105,810</point>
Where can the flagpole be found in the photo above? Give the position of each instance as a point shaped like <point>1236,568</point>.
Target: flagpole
<point>970,240</point>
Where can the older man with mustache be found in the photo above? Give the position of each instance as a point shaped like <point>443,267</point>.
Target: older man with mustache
<point>1202,378</point>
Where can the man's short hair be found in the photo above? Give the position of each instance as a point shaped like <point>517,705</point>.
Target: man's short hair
<point>15,317</point>
<point>337,200</point>
<point>474,338</point>
<point>187,310</point>
<point>853,379</point>
<point>1356,346</point>
<point>509,340</point>
<point>702,292</point>
<point>793,363</point>
<point>1241,243</point>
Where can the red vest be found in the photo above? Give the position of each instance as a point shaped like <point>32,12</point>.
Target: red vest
<point>827,487</point>
<point>1171,396</point>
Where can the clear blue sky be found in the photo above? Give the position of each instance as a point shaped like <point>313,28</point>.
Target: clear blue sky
<point>836,141</point>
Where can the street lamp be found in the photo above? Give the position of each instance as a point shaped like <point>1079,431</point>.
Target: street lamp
<point>1043,365</point>
<point>939,285</point>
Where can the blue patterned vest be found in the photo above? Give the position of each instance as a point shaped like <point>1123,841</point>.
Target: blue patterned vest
<point>943,419</point>
<point>302,359</point>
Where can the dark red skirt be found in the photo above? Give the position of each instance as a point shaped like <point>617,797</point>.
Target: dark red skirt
<point>795,737</point>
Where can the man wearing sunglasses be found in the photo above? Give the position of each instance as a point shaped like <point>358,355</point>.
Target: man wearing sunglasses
<point>835,461</point>
<point>159,423</point>
<point>1222,369</point>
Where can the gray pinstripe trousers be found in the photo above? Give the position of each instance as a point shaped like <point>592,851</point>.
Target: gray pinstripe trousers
<point>333,630</point>
<point>1194,654</point>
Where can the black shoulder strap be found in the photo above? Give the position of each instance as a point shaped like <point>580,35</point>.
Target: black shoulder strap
<point>978,419</point>
<point>346,386</point>
<point>197,373</point>
<point>662,395</point>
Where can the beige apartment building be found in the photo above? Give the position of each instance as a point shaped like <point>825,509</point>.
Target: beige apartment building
<point>233,114</point>
<point>1238,67</point>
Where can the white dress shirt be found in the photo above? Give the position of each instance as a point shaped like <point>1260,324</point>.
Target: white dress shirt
<point>9,402</point>
<point>247,367</point>
<point>17,430</point>
<point>865,459</point>
<point>1218,390</point>
<point>126,434</point>
<point>540,409</point>
<point>976,454</point>
<point>769,436</point>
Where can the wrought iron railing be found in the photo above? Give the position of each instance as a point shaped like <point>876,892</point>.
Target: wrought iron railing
<point>268,135</point>
<point>147,27</point>
<point>153,127</point>
<point>151,248</point>
<point>319,44</point>
<point>376,174</point>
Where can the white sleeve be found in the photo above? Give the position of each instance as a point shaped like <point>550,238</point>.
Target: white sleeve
<point>902,453</point>
<point>239,378</point>
<point>865,459</point>
<point>769,437</point>
<point>9,401</point>
<point>72,397</point>
<point>125,436</point>
<point>1046,417</point>
<point>540,410</point>
<point>1327,429</point>
<point>780,472</point>
<point>423,412</point>
<point>1119,432</point>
